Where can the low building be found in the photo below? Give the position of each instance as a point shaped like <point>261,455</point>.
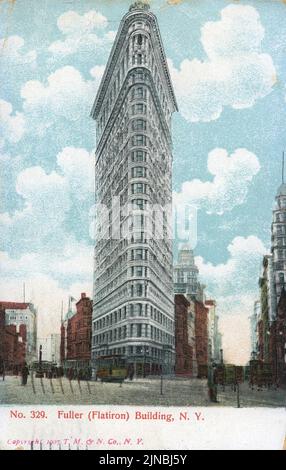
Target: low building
<point>22,313</point>
<point>75,344</point>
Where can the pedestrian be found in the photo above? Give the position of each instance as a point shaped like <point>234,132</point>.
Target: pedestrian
<point>2,369</point>
<point>25,373</point>
<point>131,372</point>
<point>212,386</point>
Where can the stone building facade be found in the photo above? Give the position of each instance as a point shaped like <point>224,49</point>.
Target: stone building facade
<point>202,341</point>
<point>76,336</point>
<point>22,313</point>
<point>184,350</point>
<point>278,241</point>
<point>186,275</point>
<point>13,345</point>
<point>133,310</point>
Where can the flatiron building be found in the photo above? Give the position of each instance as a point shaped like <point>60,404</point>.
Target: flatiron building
<point>133,303</point>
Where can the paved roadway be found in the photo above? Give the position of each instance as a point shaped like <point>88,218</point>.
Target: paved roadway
<point>176,392</point>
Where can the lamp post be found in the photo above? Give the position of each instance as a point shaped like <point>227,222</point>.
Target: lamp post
<point>221,356</point>
<point>278,348</point>
<point>145,352</point>
<point>39,372</point>
<point>165,348</point>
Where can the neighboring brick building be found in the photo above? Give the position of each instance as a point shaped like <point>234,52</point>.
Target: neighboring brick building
<point>13,344</point>
<point>202,343</point>
<point>76,336</point>
<point>23,313</point>
<point>184,351</point>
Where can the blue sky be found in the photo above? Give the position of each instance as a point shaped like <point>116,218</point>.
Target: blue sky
<point>228,69</point>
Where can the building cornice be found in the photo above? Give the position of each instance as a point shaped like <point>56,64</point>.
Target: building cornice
<point>116,50</point>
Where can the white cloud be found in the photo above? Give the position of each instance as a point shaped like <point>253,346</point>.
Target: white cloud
<point>238,275</point>
<point>83,33</point>
<point>77,165</point>
<point>235,73</point>
<point>12,53</point>
<point>73,263</point>
<point>66,95</point>
<point>71,22</point>
<point>12,126</point>
<point>97,72</point>
<point>232,176</point>
<point>50,200</point>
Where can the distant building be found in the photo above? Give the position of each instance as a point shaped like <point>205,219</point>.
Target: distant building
<point>21,313</point>
<point>214,336</point>
<point>268,307</point>
<point>13,340</point>
<point>76,336</point>
<point>254,319</point>
<point>185,275</point>
<point>51,348</point>
<point>278,241</point>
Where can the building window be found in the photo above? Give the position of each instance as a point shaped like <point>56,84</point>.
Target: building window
<point>138,156</point>
<point>138,309</point>
<point>137,271</point>
<point>139,204</point>
<point>281,278</point>
<point>139,139</point>
<point>138,254</point>
<point>139,125</point>
<point>138,188</point>
<point>138,290</point>
<point>139,92</point>
<point>139,237</point>
<point>139,40</point>
<point>138,108</point>
<point>138,172</point>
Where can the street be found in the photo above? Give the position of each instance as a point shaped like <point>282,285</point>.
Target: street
<point>143,391</point>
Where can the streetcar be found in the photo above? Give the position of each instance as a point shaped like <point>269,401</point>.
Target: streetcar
<point>111,368</point>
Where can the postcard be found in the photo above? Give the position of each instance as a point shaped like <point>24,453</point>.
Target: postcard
<point>143,226</point>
